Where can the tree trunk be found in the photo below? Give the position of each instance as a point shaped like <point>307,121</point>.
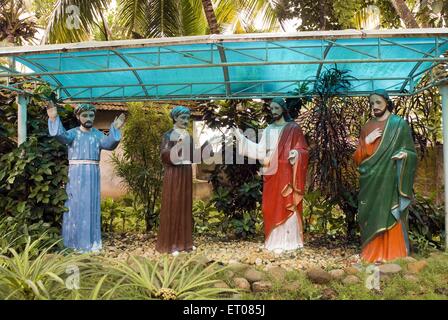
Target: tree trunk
<point>107,32</point>
<point>148,223</point>
<point>214,29</point>
<point>211,16</point>
<point>405,14</point>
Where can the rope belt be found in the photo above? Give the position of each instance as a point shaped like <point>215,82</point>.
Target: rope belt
<point>70,162</point>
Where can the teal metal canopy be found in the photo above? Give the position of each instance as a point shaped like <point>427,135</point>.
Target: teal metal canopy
<point>231,66</point>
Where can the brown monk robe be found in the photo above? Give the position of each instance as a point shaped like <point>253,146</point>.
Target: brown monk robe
<point>176,219</point>
<point>391,243</point>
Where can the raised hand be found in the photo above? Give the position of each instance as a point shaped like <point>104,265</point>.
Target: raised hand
<point>375,134</point>
<point>119,121</point>
<point>52,111</point>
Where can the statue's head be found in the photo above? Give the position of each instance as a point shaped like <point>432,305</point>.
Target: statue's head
<point>279,109</point>
<point>380,102</point>
<point>181,116</point>
<point>85,113</point>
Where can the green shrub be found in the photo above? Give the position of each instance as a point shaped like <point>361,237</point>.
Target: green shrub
<point>140,165</point>
<point>208,220</point>
<point>426,224</point>
<point>33,175</point>
<point>126,214</point>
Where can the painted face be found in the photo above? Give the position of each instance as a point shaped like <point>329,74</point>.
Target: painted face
<point>276,110</point>
<point>378,105</point>
<point>182,120</point>
<point>86,118</point>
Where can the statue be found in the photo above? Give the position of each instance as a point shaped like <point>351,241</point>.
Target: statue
<point>283,151</point>
<point>387,160</point>
<point>177,152</point>
<point>81,227</point>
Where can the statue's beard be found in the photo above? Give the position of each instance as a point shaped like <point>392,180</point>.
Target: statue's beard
<point>378,113</point>
<point>87,124</point>
<point>277,116</point>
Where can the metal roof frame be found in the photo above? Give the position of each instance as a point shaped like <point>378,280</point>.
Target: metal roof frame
<point>257,50</point>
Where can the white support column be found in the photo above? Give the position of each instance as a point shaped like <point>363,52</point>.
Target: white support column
<point>22,103</point>
<point>444,92</point>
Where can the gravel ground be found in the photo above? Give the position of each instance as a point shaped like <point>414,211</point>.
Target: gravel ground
<point>328,254</point>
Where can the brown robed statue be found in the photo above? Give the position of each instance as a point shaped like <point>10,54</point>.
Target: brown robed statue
<point>177,152</point>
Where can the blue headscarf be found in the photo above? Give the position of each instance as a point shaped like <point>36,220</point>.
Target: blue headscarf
<point>84,107</point>
<point>177,111</point>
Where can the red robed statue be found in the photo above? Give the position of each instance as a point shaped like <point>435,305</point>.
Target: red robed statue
<point>284,153</point>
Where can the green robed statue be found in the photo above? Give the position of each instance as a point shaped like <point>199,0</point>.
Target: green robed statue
<point>387,162</point>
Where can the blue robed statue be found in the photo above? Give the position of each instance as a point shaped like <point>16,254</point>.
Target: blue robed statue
<point>81,227</point>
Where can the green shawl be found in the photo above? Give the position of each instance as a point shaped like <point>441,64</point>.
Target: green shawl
<point>386,184</point>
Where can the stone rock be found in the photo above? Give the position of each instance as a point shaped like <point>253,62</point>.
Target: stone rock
<point>242,284</point>
<point>409,259</point>
<point>229,274</point>
<point>202,260</point>
<point>416,267</point>
<point>258,261</point>
<point>261,286</point>
<point>389,268</point>
<point>221,284</point>
<point>384,277</point>
<point>328,294</point>
<point>442,291</point>
<point>435,254</point>
<point>410,278</point>
<point>319,276</point>
<point>292,286</point>
<point>351,270</point>
<point>278,273</point>
<point>253,275</point>
<point>350,279</point>
<point>138,251</point>
<point>238,267</point>
<point>337,274</point>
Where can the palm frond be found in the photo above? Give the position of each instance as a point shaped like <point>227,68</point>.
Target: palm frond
<point>73,20</point>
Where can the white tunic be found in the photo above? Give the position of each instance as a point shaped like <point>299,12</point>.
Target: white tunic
<point>287,236</point>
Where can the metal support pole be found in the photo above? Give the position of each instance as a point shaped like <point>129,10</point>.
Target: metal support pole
<point>22,103</point>
<point>444,92</point>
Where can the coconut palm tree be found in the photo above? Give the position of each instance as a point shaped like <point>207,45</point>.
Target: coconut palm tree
<point>155,18</point>
<point>16,26</point>
<point>161,18</point>
<point>405,14</point>
<point>75,20</point>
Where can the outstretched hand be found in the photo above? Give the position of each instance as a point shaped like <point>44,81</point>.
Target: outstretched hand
<point>119,121</point>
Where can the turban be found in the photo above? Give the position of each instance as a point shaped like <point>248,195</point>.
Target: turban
<point>177,111</point>
<point>84,107</point>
